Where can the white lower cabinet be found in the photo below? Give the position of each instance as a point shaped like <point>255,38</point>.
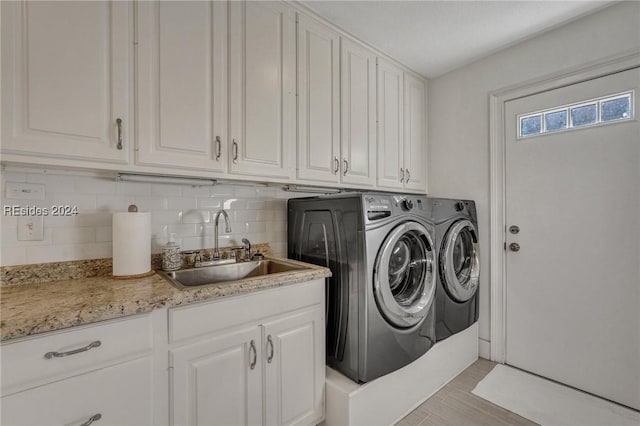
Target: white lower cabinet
<point>218,381</point>
<point>118,395</point>
<point>266,371</point>
<point>294,368</point>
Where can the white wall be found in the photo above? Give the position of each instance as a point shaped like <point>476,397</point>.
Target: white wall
<point>459,108</point>
<point>256,213</point>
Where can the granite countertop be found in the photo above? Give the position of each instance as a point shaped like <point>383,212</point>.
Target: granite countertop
<point>31,308</point>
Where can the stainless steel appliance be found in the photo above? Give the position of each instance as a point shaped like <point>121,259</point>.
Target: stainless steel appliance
<point>456,227</point>
<point>380,249</point>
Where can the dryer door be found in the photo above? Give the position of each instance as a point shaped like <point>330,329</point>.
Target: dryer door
<point>404,278</point>
<point>459,261</point>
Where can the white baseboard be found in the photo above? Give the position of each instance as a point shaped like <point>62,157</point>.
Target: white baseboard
<point>484,349</point>
<point>389,398</point>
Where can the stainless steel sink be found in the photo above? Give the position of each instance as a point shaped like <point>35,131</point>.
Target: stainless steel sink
<point>218,274</point>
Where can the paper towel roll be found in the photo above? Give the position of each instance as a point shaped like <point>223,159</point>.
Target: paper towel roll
<point>131,244</point>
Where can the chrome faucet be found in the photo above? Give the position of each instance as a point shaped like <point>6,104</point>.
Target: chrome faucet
<point>216,250</point>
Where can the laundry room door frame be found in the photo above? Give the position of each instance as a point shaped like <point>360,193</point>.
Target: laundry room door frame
<point>497,99</point>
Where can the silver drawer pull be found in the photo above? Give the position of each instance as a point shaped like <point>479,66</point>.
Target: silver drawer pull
<point>218,148</point>
<point>346,167</point>
<point>270,344</point>
<point>252,348</point>
<point>119,124</point>
<point>408,175</point>
<point>91,345</point>
<point>235,151</point>
<point>337,165</point>
<point>401,174</point>
<point>92,419</point>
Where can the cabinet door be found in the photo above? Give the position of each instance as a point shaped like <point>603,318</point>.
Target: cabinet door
<point>318,101</point>
<point>65,79</point>
<point>295,368</point>
<point>182,87</point>
<point>415,158</point>
<point>218,381</point>
<point>262,88</point>
<point>358,108</point>
<point>390,172</point>
<point>120,395</point>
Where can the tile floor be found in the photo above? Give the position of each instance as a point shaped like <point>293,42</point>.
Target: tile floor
<point>455,405</point>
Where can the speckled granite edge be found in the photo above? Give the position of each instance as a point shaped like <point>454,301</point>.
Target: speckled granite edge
<point>36,308</point>
<point>79,269</point>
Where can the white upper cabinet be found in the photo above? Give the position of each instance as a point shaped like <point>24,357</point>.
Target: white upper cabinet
<point>262,89</point>
<point>318,101</point>
<point>182,84</point>
<point>415,117</point>
<point>401,129</point>
<point>358,107</point>
<point>390,125</point>
<point>65,79</point>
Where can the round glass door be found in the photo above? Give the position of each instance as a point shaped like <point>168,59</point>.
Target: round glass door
<point>404,279</point>
<point>459,261</point>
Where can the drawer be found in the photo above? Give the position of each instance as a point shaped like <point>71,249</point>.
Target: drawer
<point>209,317</point>
<point>120,395</point>
<point>25,363</point>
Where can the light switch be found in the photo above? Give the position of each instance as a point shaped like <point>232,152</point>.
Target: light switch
<point>30,228</point>
<point>25,191</point>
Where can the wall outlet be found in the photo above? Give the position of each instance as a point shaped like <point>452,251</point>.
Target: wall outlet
<point>25,191</point>
<point>30,228</point>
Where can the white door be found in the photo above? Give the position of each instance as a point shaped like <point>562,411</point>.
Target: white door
<point>65,79</point>
<point>182,84</point>
<point>219,381</point>
<point>318,101</point>
<point>573,288</point>
<point>390,98</point>
<point>294,368</point>
<point>262,88</point>
<point>358,109</point>
<point>415,159</point>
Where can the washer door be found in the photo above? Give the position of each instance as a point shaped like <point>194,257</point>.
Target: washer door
<point>404,278</point>
<point>459,261</point>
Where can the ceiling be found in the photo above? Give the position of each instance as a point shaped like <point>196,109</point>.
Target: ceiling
<point>434,37</point>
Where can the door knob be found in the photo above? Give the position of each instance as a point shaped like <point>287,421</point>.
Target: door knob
<point>514,247</point>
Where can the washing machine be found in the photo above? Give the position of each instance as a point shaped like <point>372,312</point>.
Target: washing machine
<point>456,226</point>
<point>381,251</point>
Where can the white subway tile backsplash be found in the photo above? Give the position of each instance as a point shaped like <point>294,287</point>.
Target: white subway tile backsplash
<point>147,203</point>
<point>166,190</point>
<point>181,203</point>
<point>114,203</point>
<point>104,234</point>
<point>256,213</point>
<point>210,203</point>
<point>74,235</point>
<point>196,191</point>
<point>133,188</point>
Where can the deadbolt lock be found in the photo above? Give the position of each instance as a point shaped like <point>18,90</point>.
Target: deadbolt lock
<point>514,247</point>
<point>514,229</point>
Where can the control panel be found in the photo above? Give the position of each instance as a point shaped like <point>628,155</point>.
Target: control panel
<point>378,206</point>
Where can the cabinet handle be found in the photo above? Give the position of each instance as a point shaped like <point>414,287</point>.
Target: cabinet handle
<point>218,148</point>
<point>119,124</point>
<point>235,151</point>
<point>346,166</point>
<point>401,174</point>
<point>252,347</point>
<point>92,419</point>
<point>408,175</point>
<point>270,345</point>
<point>91,345</point>
<point>336,163</point>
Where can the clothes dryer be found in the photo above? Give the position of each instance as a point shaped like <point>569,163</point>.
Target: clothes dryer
<point>458,275</point>
<point>381,251</point>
